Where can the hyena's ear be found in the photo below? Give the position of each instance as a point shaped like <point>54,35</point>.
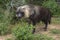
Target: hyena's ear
<point>15,8</point>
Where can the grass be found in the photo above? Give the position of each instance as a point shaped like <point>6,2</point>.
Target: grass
<point>10,38</point>
<point>21,30</point>
<point>56,20</point>
<point>42,37</point>
<point>4,22</point>
<point>55,31</point>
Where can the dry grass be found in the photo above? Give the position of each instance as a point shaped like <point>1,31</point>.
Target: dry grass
<point>39,30</point>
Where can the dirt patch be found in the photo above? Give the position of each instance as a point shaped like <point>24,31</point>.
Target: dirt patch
<point>5,37</point>
<point>39,29</point>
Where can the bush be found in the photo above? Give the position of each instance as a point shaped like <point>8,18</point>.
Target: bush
<point>53,6</point>
<point>23,32</point>
<point>35,2</point>
<point>4,29</point>
<point>1,16</point>
<point>4,22</point>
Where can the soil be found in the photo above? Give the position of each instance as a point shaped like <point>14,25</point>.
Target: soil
<point>39,29</point>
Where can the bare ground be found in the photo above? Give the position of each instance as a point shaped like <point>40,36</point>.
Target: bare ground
<point>50,27</point>
<point>39,29</point>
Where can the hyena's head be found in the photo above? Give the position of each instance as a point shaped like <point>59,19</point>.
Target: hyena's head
<point>24,11</point>
<point>20,12</point>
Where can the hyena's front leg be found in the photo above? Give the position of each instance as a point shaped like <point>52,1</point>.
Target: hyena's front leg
<point>34,23</point>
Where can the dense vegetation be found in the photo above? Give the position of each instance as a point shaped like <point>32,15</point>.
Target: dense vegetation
<point>23,32</point>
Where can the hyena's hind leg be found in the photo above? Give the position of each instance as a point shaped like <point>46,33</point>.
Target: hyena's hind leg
<point>46,24</point>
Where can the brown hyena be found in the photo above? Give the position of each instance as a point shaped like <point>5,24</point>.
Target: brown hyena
<point>34,14</point>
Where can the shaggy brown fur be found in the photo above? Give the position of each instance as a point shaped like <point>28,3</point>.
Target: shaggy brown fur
<point>35,14</point>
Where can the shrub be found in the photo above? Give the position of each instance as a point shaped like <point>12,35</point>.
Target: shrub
<point>1,16</point>
<point>53,6</point>
<point>23,32</point>
<point>4,29</point>
<point>4,22</point>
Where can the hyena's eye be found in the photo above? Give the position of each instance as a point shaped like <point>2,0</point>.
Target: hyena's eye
<point>22,13</point>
